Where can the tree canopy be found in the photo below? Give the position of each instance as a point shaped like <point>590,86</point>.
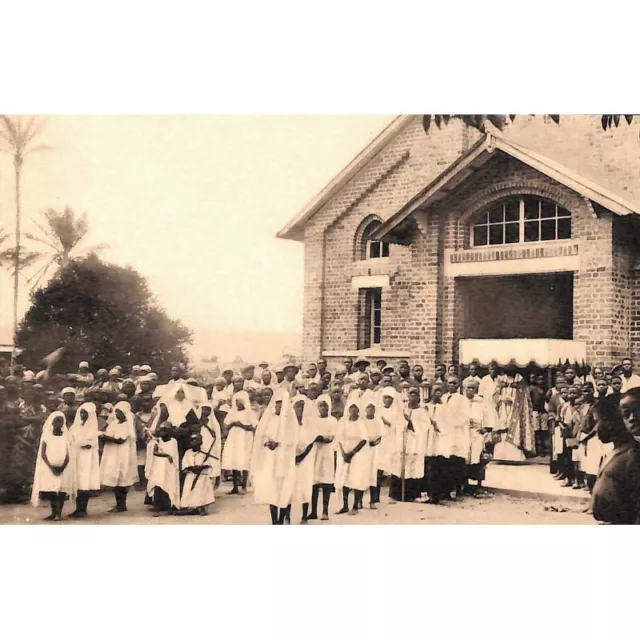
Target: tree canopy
<point>102,313</point>
<point>501,121</point>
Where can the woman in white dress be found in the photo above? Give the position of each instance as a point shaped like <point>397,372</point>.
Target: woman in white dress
<point>324,471</point>
<point>352,473</point>
<point>84,436</point>
<point>305,412</point>
<point>164,475</point>
<point>241,423</point>
<point>375,431</point>
<point>119,464</point>
<point>273,462</point>
<point>54,476</point>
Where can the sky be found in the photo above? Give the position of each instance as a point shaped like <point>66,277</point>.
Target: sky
<point>193,203</point>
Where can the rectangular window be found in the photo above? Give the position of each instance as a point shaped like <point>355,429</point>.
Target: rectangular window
<point>370,318</point>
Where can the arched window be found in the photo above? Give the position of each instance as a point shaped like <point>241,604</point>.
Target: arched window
<point>371,249</point>
<point>521,220</point>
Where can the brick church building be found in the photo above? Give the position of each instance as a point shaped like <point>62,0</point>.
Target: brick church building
<point>425,241</point>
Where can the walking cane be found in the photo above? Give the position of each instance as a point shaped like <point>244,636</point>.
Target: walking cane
<point>404,456</point>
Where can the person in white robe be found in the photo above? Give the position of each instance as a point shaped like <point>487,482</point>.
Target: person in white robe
<point>482,420</point>
<point>241,423</point>
<point>375,432</point>
<point>306,413</point>
<point>437,449</point>
<point>119,463</point>
<point>84,436</point>
<point>352,473</point>
<point>54,476</point>
<point>324,461</point>
<point>391,414</point>
<point>408,453</point>
<point>489,383</point>
<point>197,490</point>
<point>273,461</point>
<point>164,475</point>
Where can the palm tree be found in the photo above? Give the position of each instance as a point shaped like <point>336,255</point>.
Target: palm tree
<point>62,232</point>
<point>17,137</point>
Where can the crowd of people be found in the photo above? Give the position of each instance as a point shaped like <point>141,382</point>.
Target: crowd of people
<point>295,435</point>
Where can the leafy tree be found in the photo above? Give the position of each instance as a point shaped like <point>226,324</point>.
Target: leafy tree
<point>102,313</point>
<point>501,121</point>
<point>62,233</point>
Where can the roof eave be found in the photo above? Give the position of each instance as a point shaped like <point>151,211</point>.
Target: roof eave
<point>485,147</point>
<point>294,229</point>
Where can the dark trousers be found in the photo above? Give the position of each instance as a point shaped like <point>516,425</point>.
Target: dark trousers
<point>82,501</point>
<point>121,497</point>
<point>161,500</point>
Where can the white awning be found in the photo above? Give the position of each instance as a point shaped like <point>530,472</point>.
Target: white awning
<point>523,351</point>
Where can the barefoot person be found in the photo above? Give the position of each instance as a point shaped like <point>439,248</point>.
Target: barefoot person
<point>119,464</point>
<point>54,474</point>
<point>241,423</point>
<point>352,473</point>
<point>324,464</point>
<point>84,436</point>
<point>375,432</point>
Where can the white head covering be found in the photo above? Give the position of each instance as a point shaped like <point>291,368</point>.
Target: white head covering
<point>68,390</point>
<point>246,415</point>
<point>286,434</point>
<point>88,462</point>
<point>125,407</point>
<point>47,434</point>
<point>146,368</point>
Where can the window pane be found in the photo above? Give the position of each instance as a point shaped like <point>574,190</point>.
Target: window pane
<point>531,208</point>
<point>531,231</point>
<point>548,229</point>
<point>496,215</point>
<point>564,228</point>
<point>496,234</point>
<point>512,211</point>
<point>385,249</point>
<point>548,209</point>
<point>377,318</point>
<point>480,236</point>
<point>377,335</point>
<point>374,249</point>
<point>512,233</point>
<point>563,213</point>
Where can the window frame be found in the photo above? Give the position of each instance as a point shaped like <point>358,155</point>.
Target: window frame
<point>370,309</point>
<point>375,305</point>
<point>483,220</point>
<point>367,244</point>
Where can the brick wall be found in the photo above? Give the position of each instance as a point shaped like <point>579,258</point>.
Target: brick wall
<point>423,310</point>
<point>396,174</point>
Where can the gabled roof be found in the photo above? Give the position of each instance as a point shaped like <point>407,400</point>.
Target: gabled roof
<point>482,151</point>
<point>294,230</point>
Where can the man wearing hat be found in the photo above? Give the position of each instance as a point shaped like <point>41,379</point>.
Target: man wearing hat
<point>82,380</point>
<point>135,372</point>
<point>248,373</point>
<point>361,365</point>
<point>113,383</point>
<point>290,372</point>
<point>68,406</point>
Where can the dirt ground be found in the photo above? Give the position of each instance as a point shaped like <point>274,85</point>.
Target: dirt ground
<point>495,509</point>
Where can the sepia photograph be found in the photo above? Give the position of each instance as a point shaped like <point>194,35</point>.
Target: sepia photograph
<point>301,335</point>
<point>315,320</point>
